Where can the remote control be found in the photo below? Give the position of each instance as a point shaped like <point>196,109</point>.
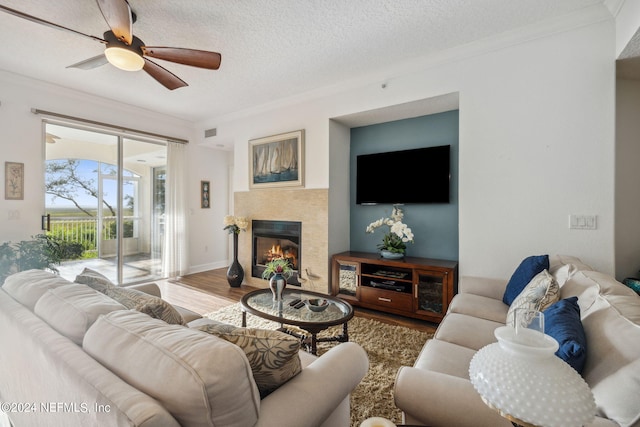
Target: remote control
<point>294,302</point>
<point>299,305</point>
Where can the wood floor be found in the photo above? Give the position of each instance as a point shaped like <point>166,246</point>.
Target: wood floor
<point>209,291</point>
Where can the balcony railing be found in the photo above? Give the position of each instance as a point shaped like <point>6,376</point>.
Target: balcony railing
<point>85,230</point>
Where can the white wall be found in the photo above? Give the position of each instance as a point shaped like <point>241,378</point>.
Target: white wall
<point>21,141</point>
<point>536,140</point>
<point>627,206</point>
<point>339,135</point>
<point>208,242</point>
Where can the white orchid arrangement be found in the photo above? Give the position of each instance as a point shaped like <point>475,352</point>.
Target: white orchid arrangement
<point>398,235</point>
<point>235,224</point>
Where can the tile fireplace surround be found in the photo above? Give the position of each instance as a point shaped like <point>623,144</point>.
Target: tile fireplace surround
<point>310,207</point>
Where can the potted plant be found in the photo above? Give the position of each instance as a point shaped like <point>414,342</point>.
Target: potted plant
<point>43,252</point>
<point>394,241</point>
<point>277,271</point>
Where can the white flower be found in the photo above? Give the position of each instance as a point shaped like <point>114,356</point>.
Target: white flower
<point>242,222</point>
<point>399,233</point>
<point>235,224</point>
<point>229,220</point>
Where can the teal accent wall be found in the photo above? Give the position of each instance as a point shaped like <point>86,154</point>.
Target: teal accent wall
<point>435,226</point>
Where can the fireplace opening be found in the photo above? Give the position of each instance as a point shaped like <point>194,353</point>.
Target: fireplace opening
<point>276,239</point>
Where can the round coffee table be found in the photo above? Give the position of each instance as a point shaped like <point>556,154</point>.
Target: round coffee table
<point>260,303</point>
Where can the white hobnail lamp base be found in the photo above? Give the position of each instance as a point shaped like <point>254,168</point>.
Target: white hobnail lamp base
<point>522,379</point>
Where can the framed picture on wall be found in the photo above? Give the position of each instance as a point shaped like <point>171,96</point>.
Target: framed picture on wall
<point>205,194</point>
<point>277,161</point>
<point>13,181</point>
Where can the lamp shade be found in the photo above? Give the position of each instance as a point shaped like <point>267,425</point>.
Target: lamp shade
<point>528,384</point>
<point>124,58</point>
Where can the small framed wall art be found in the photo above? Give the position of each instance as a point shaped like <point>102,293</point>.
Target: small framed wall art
<point>13,181</point>
<point>205,194</point>
<point>277,161</point>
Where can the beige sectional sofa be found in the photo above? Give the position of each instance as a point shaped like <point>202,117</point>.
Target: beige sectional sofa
<point>72,356</point>
<point>436,391</point>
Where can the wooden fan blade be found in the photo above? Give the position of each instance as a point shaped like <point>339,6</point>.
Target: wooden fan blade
<point>117,13</point>
<point>163,76</point>
<point>90,63</point>
<point>47,23</point>
<point>193,57</point>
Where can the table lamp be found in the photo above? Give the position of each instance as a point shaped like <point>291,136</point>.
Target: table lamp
<point>522,379</point>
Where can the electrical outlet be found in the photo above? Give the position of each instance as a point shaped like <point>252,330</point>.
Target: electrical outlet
<point>583,222</point>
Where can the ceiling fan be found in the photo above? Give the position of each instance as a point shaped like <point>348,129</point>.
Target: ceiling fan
<point>127,52</point>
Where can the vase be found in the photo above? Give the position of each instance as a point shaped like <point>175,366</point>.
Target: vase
<point>390,255</point>
<point>235,273</point>
<point>277,283</point>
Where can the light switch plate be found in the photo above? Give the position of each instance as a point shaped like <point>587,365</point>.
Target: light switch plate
<point>583,222</point>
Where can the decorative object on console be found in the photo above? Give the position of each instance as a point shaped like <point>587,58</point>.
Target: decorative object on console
<point>522,379</point>
<point>277,272</point>
<point>277,161</point>
<point>393,244</point>
<point>234,225</point>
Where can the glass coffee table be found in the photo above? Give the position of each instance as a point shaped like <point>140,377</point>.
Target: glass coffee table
<point>337,312</point>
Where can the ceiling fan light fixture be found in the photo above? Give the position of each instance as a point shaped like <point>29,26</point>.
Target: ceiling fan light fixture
<point>124,58</point>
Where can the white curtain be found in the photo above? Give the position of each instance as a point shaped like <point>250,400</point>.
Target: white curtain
<point>174,252</point>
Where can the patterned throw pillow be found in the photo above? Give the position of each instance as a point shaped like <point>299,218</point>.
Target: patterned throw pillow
<point>145,303</point>
<point>273,355</point>
<point>526,271</point>
<point>131,298</point>
<point>94,280</point>
<point>540,293</point>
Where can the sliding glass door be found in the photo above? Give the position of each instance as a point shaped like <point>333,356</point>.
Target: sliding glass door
<point>104,190</point>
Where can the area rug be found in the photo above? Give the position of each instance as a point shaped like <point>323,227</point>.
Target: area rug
<point>388,346</point>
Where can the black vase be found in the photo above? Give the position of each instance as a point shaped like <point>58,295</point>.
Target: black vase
<point>235,273</point>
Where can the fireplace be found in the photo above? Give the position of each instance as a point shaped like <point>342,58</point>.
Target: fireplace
<point>276,239</point>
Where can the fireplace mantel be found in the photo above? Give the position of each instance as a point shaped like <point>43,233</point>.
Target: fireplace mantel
<point>308,206</point>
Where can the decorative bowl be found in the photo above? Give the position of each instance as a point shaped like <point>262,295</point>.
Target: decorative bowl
<point>316,304</point>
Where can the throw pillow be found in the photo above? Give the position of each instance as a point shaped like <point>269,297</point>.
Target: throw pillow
<point>527,269</point>
<point>562,322</point>
<point>273,355</point>
<point>540,293</point>
<point>94,280</point>
<point>145,303</point>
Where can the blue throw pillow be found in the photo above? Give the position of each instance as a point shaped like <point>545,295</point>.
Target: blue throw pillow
<point>526,271</point>
<point>562,322</point>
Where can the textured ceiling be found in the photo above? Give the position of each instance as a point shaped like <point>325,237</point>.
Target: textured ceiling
<point>271,49</point>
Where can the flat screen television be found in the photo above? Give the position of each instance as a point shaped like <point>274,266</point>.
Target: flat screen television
<point>409,176</point>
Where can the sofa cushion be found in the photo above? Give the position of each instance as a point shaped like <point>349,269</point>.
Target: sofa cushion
<point>95,280</point>
<point>28,286</point>
<point>479,306</point>
<point>558,261</point>
<point>467,331</point>
<point>521,277</point>
<point>562,322</point>
<point>72,309</point>
<point>445,357</point>
<point>273,355</point>
<point>201,379</point>
<point>612,355</point>
<point>540,293</point>
<point>145,303</point>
